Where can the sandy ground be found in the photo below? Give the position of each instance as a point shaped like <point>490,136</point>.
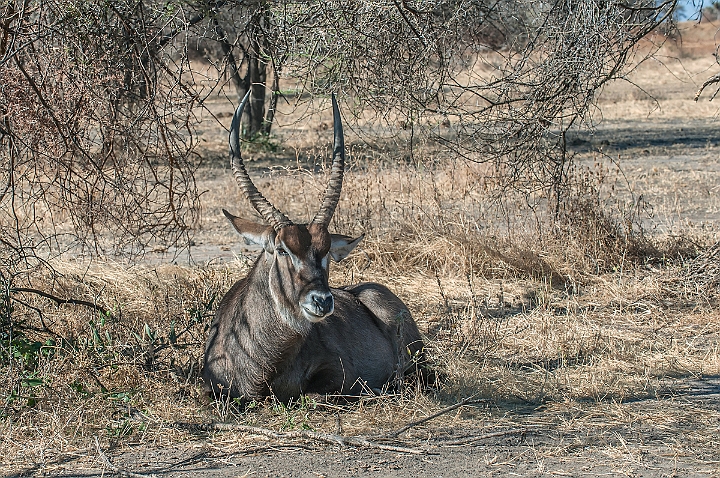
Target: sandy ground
<point>611,439</point>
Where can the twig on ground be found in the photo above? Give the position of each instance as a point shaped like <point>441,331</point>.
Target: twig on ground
<point>405,428</point>
<point>93,375</point>
<point>187,461</point>
<point>119,471</point>
<point>273,447</point>
<point>472,439</point>
<point>305,434</point>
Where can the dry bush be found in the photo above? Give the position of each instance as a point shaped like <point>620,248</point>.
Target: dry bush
<point>96,138</point>
<point>98,162</point>
<point>446,217</point>
<point>99,102</point>
<point>698,280</point>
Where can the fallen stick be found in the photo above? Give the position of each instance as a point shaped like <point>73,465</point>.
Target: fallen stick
<point>118,471</point>
<point>307,435</point>
<point>472,439</point>
<point>407,427</point>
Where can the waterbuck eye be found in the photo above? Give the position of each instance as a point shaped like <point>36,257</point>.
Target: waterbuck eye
<point>281,252</point>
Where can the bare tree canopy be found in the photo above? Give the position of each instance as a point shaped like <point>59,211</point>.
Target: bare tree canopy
<point>97,99</point>
<point>96,127</point>
<point>509,77</point>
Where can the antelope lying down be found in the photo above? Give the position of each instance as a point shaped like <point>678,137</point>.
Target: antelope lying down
<point>282,330</point>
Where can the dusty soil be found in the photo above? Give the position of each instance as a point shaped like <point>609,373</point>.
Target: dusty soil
<point>611,439</point>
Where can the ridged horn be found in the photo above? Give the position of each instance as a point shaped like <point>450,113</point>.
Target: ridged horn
<point>271,215</point>
<point>332,193</point>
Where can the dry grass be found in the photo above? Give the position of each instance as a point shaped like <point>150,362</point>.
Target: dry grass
<point>511,342</point>
<point>515,310</point>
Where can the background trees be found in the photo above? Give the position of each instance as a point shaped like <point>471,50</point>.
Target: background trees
<point>711,12</point>
<point>98,99</point>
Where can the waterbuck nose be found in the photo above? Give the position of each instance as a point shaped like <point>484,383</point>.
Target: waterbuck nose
<point>323,302</point>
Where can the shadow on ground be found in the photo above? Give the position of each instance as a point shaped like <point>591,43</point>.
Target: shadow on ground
<point>669,435</point>
<point>651,136</point>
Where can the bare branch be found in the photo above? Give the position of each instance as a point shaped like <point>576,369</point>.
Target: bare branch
<point>466,401</point>
<point>60,301</point>
<point>710,81</point>
<point>329,438</point>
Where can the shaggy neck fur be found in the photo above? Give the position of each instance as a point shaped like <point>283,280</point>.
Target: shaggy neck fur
<point>276,332</point>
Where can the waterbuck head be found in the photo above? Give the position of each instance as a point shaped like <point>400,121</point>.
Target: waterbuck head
<point>295,255</point>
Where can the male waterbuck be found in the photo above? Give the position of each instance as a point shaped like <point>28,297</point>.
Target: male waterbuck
<point>282,330</point>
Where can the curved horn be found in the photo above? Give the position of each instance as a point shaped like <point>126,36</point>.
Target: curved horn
<point>332,193</point>
<point>273,217</point>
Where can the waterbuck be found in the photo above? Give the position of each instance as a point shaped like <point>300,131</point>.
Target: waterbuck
<point>282,330</point>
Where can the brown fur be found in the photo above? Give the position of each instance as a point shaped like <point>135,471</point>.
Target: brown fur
<point>255,348</point>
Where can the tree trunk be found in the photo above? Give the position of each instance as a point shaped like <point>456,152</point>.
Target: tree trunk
<point>254,121</point>
<point>270,116</point>
<point>257,69</point>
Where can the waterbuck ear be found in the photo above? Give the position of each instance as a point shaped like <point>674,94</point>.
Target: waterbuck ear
<point>341,246</point>
<point>252,232</point>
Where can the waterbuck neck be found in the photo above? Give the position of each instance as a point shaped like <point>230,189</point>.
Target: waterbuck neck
<point>276,329</point>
